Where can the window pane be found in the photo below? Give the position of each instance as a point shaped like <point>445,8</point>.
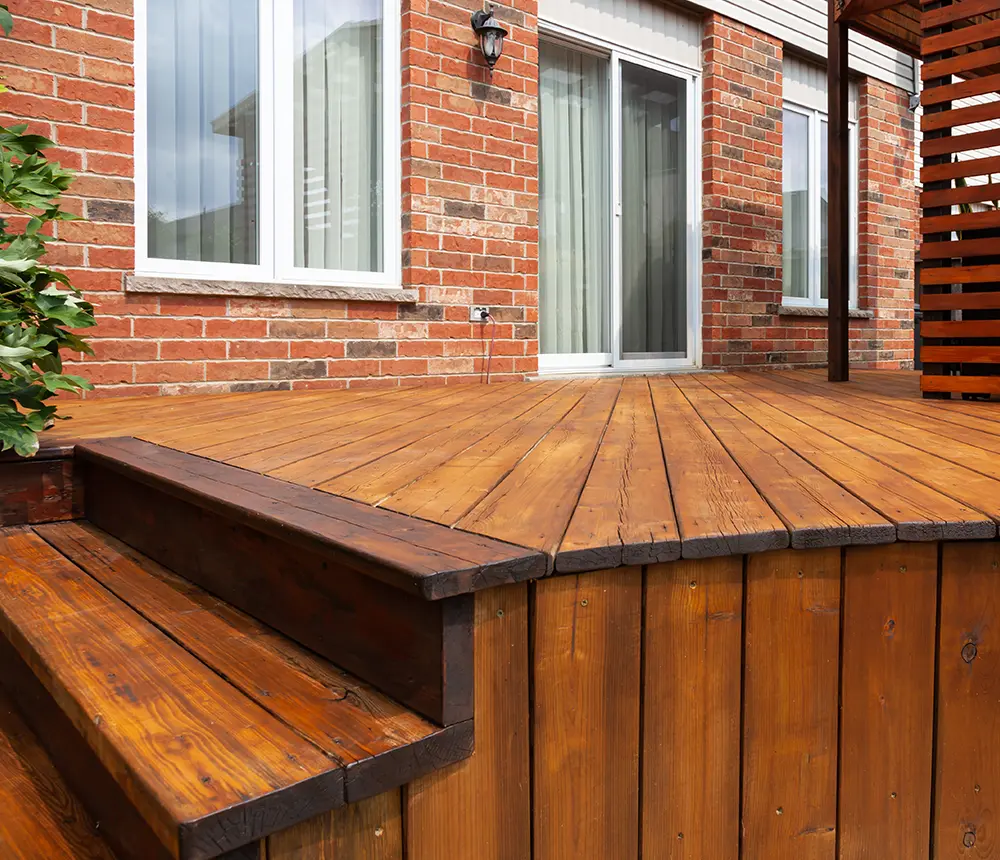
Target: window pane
<point>575,210</point>
<point>795,205</point>
<point>338,135</point>
<point>824,198</point>
<point>202,127</point>
<point>654,214</point>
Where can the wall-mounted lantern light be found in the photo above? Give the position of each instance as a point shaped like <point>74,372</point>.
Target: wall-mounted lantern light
<point>490,35</point>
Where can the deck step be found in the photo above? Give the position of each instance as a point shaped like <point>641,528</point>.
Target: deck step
<point>190,729</point>
<point>40,817</point>
<point>385,596</point>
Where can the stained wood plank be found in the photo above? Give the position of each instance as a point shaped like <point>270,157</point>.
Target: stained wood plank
<point>368,830</point>
<point>960,37</point>
<point>38,491</point>
<point>790,705</point>
<point>887,701</point>
<point>449,492</point>
<point>962,301</point>
<point>375,481</point>
<point>976,490</point>
<point>691,710</point>
<point>816,510</point>
<point>970,62</point>
<point>930,18</point>
<point>970,384</point>
<point>481,807</point>
<point>397,641</point>
<point>319,470</point>
<point>148,692</point>
<point>958,354</point>
<point>533,504</point>
<point>959,170</point>
<point>918,512</point>
<point>719,512</point>
<point>624,515</point>
<point>951,197</point>
<point>41,819</point>
<point>586,632</point>
<point>967,761</point>
<point>954,223</point>
<point>418,557</point>
<point>961,274</point>
<point>960,143</point>
<point>380,744</point>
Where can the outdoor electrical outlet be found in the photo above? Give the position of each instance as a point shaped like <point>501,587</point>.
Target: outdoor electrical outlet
<point>479,313</point>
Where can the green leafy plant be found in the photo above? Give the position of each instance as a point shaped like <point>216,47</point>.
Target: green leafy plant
<point>39,308</point>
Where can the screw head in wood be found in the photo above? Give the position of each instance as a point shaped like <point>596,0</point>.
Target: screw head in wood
<point>976,789</point>
<point>969,652</point>
<point>499,613</point>
<point>584,602</point>
<point>969,839</point>
<point>902,568</point>
<point>692,584</point>
<point>892,795</point>
<point>780,810</point>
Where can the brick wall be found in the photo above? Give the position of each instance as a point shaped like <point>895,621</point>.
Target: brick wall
<point>743,325</point>
<point>887,203</point>
<point>469,215</point>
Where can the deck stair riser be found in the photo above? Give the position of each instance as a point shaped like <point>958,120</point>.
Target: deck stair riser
<point>189,729</point>
<point>384,596</point>
<point>43,489</point>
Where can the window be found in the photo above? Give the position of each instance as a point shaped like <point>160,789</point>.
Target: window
<point>267,143</point>
<point>616,210</point>
<point>805,187</point>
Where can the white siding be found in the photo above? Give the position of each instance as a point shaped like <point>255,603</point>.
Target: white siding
<point>805,84</point>
<point>646,27</point>
<point>651,27</point>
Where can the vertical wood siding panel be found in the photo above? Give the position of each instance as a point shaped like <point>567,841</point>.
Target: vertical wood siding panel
<point>887,701</point>
<point>367,830</point>
<point>967,784</point>
<point>691,710</point>
<point>587,641</point>
<point>479,809</point>
<point>791,668</point>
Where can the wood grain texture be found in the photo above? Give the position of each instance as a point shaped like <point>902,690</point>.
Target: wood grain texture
<point>815,509</point>
<point>97,657</point>
<point>587,636</point>
<point>480,808</point>
<point>417,557</point>
<point>393,640</point>
<point>691,710</point>
<point>378,742</point>
<point>624,515</point>
<point>719,511</point>
<point>967,765</point>
<point>790,705</point>
<point>41,819</point>
<point>887,701</point>
<point>38,491</point>
<point>368,830</point>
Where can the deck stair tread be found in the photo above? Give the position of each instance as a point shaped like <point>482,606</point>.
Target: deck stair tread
<point>417,556</point>
<point>217,729</point>
<point>40,817</point>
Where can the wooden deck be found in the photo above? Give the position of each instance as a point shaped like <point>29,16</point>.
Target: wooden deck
<point>607,473</point>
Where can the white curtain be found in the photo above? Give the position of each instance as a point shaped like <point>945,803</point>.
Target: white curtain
<point>338,134</point>
<point>574,188</point>
<point>654,214</point>
<point>202,129</point>
<point>795,205</point>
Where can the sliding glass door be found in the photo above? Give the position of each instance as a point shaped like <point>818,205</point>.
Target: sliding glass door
<point>617,220</point>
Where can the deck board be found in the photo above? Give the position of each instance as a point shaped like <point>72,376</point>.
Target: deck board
<point>600,473</point>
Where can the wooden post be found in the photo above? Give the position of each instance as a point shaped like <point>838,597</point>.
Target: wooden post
<point>839,204</point>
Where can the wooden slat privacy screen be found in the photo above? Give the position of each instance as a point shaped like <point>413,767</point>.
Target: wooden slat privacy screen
<point>960,276</point>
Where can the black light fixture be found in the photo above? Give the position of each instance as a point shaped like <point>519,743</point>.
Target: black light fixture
<point>490,34</point>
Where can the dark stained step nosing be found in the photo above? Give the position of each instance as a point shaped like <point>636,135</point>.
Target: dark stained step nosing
<point>283,510</point>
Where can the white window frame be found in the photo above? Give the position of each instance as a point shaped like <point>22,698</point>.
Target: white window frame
<point>275,218</point>
<point>612,362</point>
<point>816,119</point>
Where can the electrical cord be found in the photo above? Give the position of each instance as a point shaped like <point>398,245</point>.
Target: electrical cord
<point>493,338</point>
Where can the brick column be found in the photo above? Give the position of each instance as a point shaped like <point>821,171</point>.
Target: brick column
<point>887,209</point>
<point>470,183</point>
<point>741,279</point>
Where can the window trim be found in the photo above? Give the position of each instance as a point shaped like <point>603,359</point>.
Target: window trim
<point>275,63</point>
<point>816,119</point>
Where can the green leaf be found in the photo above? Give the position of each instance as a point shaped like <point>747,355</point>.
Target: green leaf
<point>6,20</point>
<point>15,433</point>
